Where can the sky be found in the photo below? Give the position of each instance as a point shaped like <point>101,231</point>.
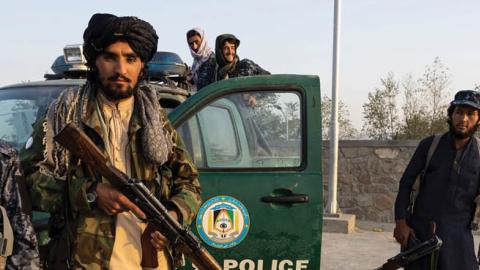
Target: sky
<point>282,36</point>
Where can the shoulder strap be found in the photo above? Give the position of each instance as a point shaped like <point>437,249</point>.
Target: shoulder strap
<point>476,216</point>
<point>6,235</point>
<point>478,143</point>
<point>417,183</point>
<point>432,148</point>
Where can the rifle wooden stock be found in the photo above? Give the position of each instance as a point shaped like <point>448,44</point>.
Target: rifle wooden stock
<point>81,146</point>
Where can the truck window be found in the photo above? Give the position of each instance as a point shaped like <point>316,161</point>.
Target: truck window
<point>19,108</point>
<point>254,129</point>
<point>220,137</point>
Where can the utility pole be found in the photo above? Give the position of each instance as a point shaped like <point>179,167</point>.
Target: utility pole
<point>333,158</point>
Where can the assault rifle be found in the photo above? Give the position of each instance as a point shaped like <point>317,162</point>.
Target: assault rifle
<point>81,146</point>
<point>414,253</point>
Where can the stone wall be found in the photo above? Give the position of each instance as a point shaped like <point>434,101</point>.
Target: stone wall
<point>368,176</point>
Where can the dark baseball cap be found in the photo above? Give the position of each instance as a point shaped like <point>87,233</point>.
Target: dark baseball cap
<point>469,98</point>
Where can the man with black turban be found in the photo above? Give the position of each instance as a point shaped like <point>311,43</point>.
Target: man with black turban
<point>93,225</point>
<point>226,63</point>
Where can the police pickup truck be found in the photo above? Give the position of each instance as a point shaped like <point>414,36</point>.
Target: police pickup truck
<point>260,166</point>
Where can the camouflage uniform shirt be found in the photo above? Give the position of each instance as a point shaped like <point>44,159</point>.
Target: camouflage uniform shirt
<point>175,183</point>
<point>207,73</point>
<point>25,253</point>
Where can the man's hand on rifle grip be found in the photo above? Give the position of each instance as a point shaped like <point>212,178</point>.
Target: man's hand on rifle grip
<point>158,240</point>
<point>112,201</point>
<point>402,232</point>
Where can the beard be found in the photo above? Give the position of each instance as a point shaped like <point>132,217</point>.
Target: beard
<point>115,91</point>
<point>462,135</point>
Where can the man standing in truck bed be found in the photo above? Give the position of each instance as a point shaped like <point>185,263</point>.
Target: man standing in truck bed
<point>226,63</point>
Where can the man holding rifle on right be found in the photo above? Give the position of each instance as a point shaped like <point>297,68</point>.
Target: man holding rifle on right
<point>449,186</point>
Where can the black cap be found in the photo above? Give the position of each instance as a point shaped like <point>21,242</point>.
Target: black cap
<point>470,98</point>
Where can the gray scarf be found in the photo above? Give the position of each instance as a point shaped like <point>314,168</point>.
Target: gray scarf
<point>71,106</point>
<point>222,72</point>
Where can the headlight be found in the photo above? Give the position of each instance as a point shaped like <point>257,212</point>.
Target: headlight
<point>74,54</point>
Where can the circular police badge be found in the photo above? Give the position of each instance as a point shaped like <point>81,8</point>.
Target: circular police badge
<point>223,222</point>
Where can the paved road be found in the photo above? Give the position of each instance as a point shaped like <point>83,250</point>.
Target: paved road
<point>363,250</point>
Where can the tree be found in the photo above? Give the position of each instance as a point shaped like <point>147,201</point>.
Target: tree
<point>434,83</point>
<point>415,123</point>
<point>424,108</point>
<point>268,117</point>
<point>346,129</point>
<point>380,112</point>
<point>477,87</point>
<point>293,115</point>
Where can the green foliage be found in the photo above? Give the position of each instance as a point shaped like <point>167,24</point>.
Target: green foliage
<point>293,115</point>
<point>346,129</point>
<point>270,121</point>
<point>380,112</point>
<point>434,83</point>
<point>415,117</point>
<point>424,108</point>
<point>278,118</point>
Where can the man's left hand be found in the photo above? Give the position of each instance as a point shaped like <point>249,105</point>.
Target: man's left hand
<point>158,240</point>
<point>252,101</point>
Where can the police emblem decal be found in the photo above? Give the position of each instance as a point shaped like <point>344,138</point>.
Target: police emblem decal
<point>223,222</point>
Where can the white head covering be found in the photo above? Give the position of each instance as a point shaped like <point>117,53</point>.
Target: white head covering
<point>202,54</point>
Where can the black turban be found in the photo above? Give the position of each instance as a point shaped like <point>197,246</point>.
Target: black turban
<point>105,29</point>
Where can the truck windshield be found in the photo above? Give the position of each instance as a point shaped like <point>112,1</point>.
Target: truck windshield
<point>20,107</point>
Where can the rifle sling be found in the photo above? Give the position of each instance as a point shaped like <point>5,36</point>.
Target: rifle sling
<point>417,184</point>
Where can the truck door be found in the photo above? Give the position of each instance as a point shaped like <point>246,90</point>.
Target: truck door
<point>257,144</point>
